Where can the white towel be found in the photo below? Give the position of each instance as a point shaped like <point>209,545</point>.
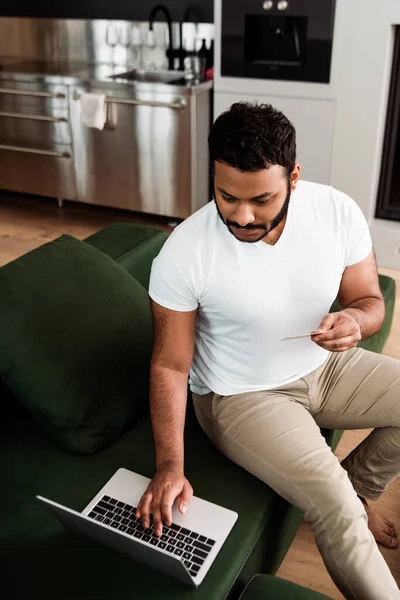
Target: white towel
<point>94,110</point>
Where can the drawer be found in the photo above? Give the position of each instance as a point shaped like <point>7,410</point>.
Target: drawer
<point>39,98</point>
<point>29,171</point>
<point>19,127</point>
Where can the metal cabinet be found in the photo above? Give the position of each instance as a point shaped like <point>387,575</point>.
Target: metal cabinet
<point>152,155</point>
<point>36,139</point>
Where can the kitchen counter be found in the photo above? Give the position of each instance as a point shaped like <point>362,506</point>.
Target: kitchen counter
<point>150,156</point>
<point>78,73</point>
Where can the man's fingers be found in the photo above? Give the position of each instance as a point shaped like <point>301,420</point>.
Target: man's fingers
<point>336,333</point>
<point>327,321</point>
<point>143,510</point>
<point>338,345</point>
<point>185,498</point>
<point>166,506</point>
<point>157,515</point>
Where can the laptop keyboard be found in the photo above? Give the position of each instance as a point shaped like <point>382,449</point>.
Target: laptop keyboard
<point>191,547</point>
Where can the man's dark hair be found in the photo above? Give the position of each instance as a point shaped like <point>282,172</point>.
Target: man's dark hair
<point>251,136</point>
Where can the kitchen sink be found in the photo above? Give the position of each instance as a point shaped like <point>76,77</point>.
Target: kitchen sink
<point>168,77</point>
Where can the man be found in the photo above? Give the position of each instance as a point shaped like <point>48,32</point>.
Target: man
<point>231,287</point>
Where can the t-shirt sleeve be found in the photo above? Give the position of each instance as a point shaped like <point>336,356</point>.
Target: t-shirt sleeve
<point>174,277</point>
<point>359,242</point>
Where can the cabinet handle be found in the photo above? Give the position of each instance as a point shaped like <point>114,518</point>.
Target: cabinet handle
<point>179,104</point>
<point>33,117</point>
<point>35,151</point>
<point>15,92</point>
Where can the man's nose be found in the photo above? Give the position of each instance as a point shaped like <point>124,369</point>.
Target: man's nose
<point>243,215</point>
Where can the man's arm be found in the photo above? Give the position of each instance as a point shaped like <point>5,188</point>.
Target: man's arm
<point>363,308</point>
<point>171,360</point>
<point>361,297</point>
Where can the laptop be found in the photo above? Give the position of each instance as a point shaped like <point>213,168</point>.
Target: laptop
<point>186,550</point>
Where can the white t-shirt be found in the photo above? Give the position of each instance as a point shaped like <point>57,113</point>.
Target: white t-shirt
<point>251,295</point>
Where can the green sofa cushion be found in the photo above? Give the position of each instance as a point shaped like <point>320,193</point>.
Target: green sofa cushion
<point>75,342</point>
<point>265,587</point>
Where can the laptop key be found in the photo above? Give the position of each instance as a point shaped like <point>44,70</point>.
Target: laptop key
<point>210,542</point>
<point>162,545</point>
<point>140,527</point>
<point>100,511</point>
<point>185,531</point>
<point>194,535</point>
<point>113,501</point>
<point>187,563</point>
<point>128,507</point>
<point>105,505</point>
<point>195,568</point>
<point>174,527</point>
<point>114,525</point>
<point>189,548</point>
<point>178,552</point>
<point>117,511</point>
<point>127,514</point>
<point>106,521</point>
<point>99,518</point>
<point>130,531</point>
<point>122,528</point>
<point>120,504</point>
<point>180,545</point>
<point>110,514</point>
<point>172,542</point>
<point>180,537</point>
<point>170,548</point>
<point>188,540</point>
<point>92,515</point>
<point>125,521</point>
<point>197,560</point>
<point>117,519</point>
<point>172,533</point>
<point>200,553</point>
<point>154,541</point>
<point>197,544</point>
<point>138,535</point>
<point>164,538</point>
<point>202,538</point>
<point>146,538</point>
<point>187,556</point>
<point>193,573</point>
<point>106,498</point>
<point>133,524</point>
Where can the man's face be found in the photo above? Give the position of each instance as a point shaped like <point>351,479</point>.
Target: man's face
<point>251,204</point>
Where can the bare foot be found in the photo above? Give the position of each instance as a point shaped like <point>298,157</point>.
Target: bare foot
<point>384,531</point>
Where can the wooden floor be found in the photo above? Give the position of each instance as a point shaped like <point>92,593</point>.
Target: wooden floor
<point>28,222</point>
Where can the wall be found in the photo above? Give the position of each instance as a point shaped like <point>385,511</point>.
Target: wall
<point>363,87</point>
<point>358,92</point>
<point>132,10</point>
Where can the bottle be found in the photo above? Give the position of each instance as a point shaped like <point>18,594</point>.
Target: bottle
<point>202,58</point>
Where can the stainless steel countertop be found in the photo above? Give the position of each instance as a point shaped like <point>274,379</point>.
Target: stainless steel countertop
<point>80,73</point>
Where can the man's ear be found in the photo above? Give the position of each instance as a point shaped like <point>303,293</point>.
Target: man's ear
<point>295,176</point>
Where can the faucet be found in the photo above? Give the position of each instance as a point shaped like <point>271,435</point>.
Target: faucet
<point>197,19</point>
<point>153,14</point>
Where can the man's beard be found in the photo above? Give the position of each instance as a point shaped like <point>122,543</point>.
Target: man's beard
<point>265,230</point>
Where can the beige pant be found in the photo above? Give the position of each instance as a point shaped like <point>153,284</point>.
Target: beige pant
<point>275,435</point>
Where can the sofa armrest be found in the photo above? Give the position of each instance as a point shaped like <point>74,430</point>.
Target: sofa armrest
<point>132,246</point>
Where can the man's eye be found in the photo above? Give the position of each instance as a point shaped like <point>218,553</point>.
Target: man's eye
<point>227,199</point>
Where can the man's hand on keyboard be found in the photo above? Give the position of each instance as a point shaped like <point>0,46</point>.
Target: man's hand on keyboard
<point>167,485</point>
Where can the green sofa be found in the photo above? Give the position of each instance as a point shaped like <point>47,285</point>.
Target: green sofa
<point>39,558</point>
